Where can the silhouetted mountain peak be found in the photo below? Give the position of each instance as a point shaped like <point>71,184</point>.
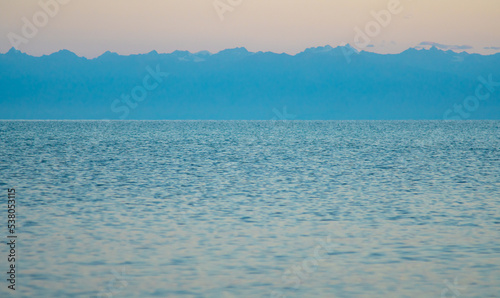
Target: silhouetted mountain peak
<point>410,51</point>
<point>203,53</point>
<point>434,49</point>
<point>318,83</point>
<point>234,52</point>
<point>187,56</point>
<point>108,54</point>
<point>63,54</point>
<point>178,53</point>
<point>329,50</point>
<point>318,50</point>
<point>13,51</point>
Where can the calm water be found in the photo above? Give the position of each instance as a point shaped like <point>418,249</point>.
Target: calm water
<point>254,209</point>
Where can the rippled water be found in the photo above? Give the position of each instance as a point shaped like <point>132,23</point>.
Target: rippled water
<point>254,209</point>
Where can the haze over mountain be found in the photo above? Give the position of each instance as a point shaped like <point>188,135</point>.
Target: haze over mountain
<point>318,83</point>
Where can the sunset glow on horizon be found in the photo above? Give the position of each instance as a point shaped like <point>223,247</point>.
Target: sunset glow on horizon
<point>90,28</point>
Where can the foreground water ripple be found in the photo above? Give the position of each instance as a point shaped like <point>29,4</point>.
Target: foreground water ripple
<point>255,208</point>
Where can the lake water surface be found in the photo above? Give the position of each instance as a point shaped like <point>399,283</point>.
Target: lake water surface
<point>253,208</point>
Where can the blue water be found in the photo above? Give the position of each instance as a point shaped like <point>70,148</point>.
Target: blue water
<point>253,209</point>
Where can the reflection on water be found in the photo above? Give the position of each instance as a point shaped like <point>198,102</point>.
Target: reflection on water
<point>255,209</point>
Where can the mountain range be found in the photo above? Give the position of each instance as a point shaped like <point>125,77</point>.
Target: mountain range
<point>322,83</point>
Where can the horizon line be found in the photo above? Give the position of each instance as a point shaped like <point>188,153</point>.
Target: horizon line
<point>416,48</point>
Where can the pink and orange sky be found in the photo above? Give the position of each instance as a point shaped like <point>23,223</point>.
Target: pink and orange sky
<point>91,27</point>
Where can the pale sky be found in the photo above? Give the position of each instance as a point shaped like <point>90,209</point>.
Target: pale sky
<point>91,27</point>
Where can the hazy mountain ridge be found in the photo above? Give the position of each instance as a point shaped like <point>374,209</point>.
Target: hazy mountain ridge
<point>318,83</point>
